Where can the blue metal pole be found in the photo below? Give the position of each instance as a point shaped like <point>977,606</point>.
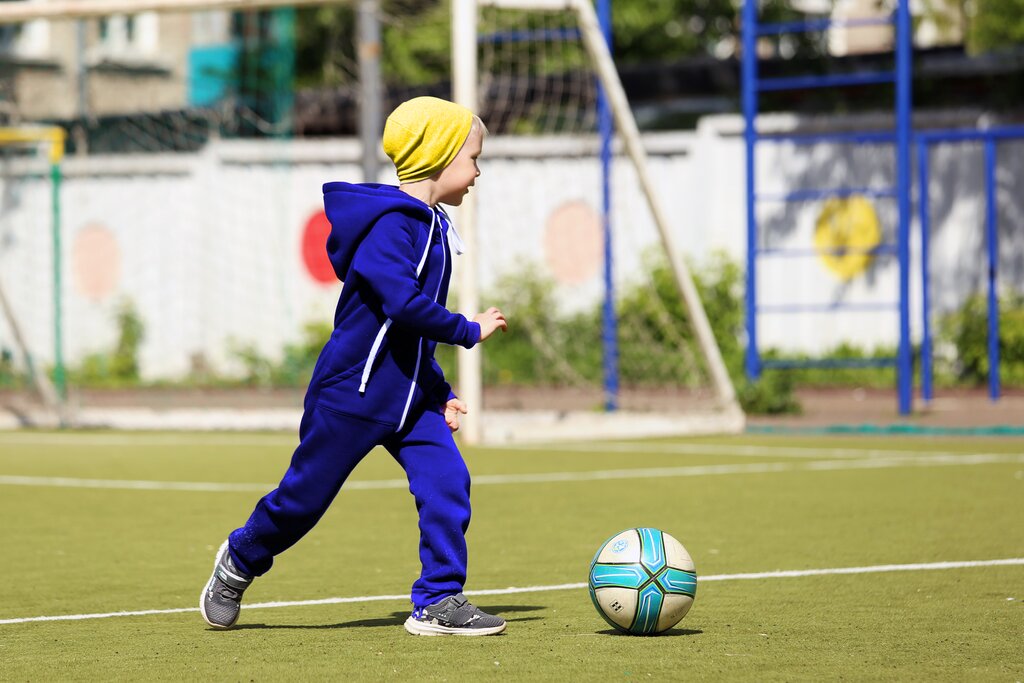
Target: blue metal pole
<point>904,49</point>
<point>993,265</point>
<point>926,325</point>
<point>752,359</point>
<point>969,134</point>
<point>609,321</point>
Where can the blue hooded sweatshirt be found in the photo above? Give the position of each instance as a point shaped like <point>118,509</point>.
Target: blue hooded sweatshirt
<point>391,252</point>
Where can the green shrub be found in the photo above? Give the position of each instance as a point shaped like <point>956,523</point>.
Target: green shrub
<point>966,329</point>
<point>772,394</point>
<point>541,347</point>
<point>119,366</point>
<point>874,377</point>
<point>545,347</point>
<point>657,347</point>
<point>10,376</point>
<point>296,365</point>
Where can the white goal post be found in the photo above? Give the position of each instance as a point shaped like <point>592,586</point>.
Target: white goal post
<point>464,49</point>
<point>464,55</point>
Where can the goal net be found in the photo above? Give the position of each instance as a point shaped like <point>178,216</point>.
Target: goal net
<point>189,263</point>
<point>608,336</point>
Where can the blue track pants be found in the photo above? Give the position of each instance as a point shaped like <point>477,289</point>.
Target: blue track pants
<point>330,446</point>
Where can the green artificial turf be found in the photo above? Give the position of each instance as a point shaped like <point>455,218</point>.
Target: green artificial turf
<point>748,504</point>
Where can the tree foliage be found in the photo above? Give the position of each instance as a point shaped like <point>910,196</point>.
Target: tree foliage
<point>996,24</point>
<point>416,36</point>
<point>325,45</point>
<point>651,30</point>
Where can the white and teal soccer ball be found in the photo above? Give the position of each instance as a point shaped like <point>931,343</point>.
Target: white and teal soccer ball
<point>642,581</point>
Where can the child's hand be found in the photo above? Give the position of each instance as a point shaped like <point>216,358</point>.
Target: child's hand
<point>490,320</point>
<point>451,413</point>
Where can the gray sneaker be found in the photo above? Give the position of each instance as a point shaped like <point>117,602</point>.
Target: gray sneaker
<point>221,600</point>
<point>453,616</point>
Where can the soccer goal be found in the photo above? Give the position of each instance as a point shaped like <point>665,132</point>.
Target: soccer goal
<point>609,336</point>
<point>222,283</point>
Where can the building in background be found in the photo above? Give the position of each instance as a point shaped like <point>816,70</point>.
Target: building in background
<point>149,81</point>
<point>937,24</point>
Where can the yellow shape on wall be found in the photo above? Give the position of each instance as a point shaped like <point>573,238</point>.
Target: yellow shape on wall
<point>846,234</point>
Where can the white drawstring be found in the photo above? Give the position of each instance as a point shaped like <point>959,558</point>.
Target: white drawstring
<point>373,354</point>
<point>458,246</point>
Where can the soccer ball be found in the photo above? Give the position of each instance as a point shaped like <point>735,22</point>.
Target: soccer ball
<point>642,581</point>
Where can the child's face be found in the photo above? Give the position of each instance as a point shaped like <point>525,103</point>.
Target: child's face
<point>460,175</point>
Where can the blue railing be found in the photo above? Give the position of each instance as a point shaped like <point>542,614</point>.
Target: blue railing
<point>900,137</point>
<point>814,25</point>
<point>989,138</point>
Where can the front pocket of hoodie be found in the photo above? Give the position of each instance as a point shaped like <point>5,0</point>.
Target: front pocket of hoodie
<point>335,410</point>
<point>340,394</point>
<point>339,377</point>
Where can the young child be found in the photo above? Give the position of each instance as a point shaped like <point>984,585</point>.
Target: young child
<point>376,382</point>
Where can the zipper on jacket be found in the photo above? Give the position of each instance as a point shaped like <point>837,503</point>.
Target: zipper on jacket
<point>419,343</point>
<point>379,340</point>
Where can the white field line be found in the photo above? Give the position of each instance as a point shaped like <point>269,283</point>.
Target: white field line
<point>935,460</point>
<point>787,574</point>
<point>738,450</point>
<point>136,485</point>
<point>243,439</point>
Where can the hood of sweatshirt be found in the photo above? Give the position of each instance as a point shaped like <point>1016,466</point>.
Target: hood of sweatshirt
<point>353,209</point>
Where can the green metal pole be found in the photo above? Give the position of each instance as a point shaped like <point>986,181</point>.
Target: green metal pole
<point>58,317</point>
<point>283,71</point>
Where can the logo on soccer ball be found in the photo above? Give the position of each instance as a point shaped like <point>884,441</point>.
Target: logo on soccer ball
<point>620,545</point>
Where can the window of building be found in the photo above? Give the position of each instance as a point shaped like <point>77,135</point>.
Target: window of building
<point>133,36</point>
<point>30,40</point>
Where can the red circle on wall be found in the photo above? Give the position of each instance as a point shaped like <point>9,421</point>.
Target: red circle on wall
<point>314,249</point>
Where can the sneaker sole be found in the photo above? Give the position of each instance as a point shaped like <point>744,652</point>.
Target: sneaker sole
<point>206,589</point>
<point>418,628</point>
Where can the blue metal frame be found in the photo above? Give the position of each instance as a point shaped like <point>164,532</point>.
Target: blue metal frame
<point>887,249</point>
<point>523,35</point>
<point>924,214</point>
<point>782,363</point>
<point>900,137</point>
<point>809,195</point>
<point>971,134</point>
<point>856,138</point>
<point>993,263</point>
<point>822,308</point>
<point>818,25</point>
<point>610,323</point>
<point>904,83</point>
<point>752,359</point>
<point>989,138</point>
<point>833,81</point>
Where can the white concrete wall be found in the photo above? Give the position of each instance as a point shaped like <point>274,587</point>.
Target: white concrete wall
<point>208,246</point>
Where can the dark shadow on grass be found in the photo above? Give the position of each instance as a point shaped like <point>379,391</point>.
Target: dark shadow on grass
<point>672,632</point>
<point>395,619</point>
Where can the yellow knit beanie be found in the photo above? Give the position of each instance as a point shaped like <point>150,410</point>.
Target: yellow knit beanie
<point>423,135</point>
